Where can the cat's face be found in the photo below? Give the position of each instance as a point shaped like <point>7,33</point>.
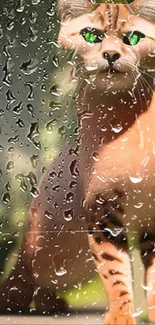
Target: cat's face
<point>114,44</point>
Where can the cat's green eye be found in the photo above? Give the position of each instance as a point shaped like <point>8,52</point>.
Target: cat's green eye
<point>91,35</point>
<point>134,38</point>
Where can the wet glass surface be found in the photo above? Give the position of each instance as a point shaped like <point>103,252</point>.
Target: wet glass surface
<point>49,147</point>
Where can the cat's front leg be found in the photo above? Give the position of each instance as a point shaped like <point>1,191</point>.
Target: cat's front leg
<point>147,246</point>
<point>109,247</point>
<point>114,268</point>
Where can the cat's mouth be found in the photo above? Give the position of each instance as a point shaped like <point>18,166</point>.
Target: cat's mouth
<point>110,71</point>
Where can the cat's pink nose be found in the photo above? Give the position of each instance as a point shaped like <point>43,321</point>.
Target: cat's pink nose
<point>111,57</point>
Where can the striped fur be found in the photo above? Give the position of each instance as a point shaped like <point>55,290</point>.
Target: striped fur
<point>72,8</point>
<point>145,9</point>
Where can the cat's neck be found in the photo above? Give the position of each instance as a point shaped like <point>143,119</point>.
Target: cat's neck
<point>109,115</point>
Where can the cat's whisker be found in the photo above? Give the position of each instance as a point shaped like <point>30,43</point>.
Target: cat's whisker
<point>140,72</point>
<point>137,86</point>
<point>146,73</point>
<point>142,88</point>
<point>138,89</point>
<point>145,82</point>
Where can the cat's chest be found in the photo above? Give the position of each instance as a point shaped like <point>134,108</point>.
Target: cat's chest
<point>128,165</point>
<point>134,166</point>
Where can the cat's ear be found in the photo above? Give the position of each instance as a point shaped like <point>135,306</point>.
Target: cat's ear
<point>74,8</point>
<point>144,8</point>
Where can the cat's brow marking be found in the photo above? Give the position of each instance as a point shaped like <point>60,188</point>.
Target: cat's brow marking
<point>98,16</point>
<point>109,13</point>
<point>101,19</point>
<point>116,17</point>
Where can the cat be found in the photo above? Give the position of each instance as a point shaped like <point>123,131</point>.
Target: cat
<point>108,180</point>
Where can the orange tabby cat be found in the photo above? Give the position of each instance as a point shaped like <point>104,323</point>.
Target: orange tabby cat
<point>109,179</point>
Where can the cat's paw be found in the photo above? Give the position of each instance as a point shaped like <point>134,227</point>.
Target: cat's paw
<point>118,319</point>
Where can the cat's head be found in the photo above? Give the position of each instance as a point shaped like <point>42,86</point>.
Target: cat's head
<point>115,42</point>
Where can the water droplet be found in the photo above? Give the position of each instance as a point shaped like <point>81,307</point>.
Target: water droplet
<point>18,108</point>
<point>1,112</point>
<point>8,69</point>
<point>20,223</point>
<point>114,232</point>
<point>50,126</point>
<point>10,25</point>
<point>35,2</point>
<point>33,133</point>
<point>55,107</point>
<point>34,160</point>
<point>10,166</point>
<point>14,139</point>
<point>23,186</point>
<point>73,184</point>
<point>1,31</point>
<point>69,197</point>
<point>20,123</point>
<point>32,178</point>
<point>56,90</point>
<point>62,131</point>
<point>138,312</point>
<point>48,215</point>
<point>61,271</point>
<point>33,37</point>
<point>74,168</point>
<point>35,192</point>
<point>60,174</point>
<point>95,156</point>
<point>10,97</point>
<point>6,198</point>
<point>30,66</point>
<point>31,109</point>
<point>33,17</point>
<point>52,174</point>
<point>136,179</point>
<point>20,6</point>
<point>103,128</point>
<point>139,205</point>
<point>30,95</point>
<point>110,108</point>
<point>92,67</point>
<point>34,212</point>
<point>116,125</point>
<point>36,275</point>
<point>68,214</point>
<point>9,12</point>
<point>56,188</point>
<point>51,12</point>
<point>147,288</point>
<point>59,265</point>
